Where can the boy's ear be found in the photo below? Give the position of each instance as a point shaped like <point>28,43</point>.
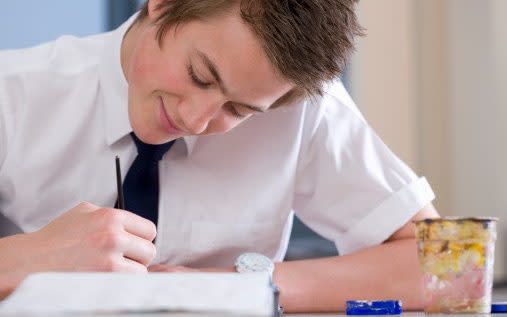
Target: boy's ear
<point>154,8</point>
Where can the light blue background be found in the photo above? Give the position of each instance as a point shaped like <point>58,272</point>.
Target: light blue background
<point>30,22</point>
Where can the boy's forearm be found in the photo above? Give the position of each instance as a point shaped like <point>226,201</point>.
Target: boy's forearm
<point>387,271</point>
<point>11,273</point>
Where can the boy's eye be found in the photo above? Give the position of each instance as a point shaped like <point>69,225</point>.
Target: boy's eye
<point>198,82</point>
<point>234,111</point>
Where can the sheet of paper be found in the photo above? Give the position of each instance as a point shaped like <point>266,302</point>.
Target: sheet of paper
<point>244,294</point>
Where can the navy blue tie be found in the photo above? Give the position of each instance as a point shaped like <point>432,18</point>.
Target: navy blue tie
<point>141,184</point>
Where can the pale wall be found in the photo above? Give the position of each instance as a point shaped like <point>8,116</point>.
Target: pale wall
<point>431,77</point>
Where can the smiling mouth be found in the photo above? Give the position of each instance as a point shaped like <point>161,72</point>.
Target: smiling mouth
<point>166,121</point>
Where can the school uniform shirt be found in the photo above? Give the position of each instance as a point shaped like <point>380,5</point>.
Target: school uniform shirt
<point>63,119</point>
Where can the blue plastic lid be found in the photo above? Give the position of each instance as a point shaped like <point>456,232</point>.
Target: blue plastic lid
<point>500,307</point>
<point>380,307</point>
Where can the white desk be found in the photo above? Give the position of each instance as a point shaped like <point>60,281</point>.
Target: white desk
<point>498,295</point>
<point>408,314</point>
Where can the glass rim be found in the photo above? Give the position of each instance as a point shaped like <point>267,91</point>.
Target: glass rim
<point>456,218</point>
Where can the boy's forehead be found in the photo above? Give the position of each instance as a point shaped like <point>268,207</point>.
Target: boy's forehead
<point>229,50</point>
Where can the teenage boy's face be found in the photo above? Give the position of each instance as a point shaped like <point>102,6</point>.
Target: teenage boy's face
<point>206,78</point>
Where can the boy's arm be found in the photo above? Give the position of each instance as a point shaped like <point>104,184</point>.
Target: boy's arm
<point>388,271</point>
<point>85,238</point>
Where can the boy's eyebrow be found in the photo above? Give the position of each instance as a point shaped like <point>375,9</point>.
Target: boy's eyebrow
<point>253,108</point>
<point>216,75</point>
<point>213,70</point>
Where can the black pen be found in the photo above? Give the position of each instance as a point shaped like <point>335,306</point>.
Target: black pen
<point>121,202</point>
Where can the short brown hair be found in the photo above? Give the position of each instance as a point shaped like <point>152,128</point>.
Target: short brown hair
<point>307,41</point>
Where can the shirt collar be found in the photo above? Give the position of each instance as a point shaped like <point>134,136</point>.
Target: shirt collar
<point>114,89</point>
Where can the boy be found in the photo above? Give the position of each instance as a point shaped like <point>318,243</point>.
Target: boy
<point>252,126</point>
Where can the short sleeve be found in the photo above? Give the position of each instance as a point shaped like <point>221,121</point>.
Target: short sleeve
<point>3,124</point>
<point>12,95</point>
<point>350,187</point>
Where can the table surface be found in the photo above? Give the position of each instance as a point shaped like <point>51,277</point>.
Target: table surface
<point>407,314</point>
<point>498,296</point>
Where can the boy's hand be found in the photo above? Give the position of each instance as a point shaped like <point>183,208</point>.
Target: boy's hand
<point>91,238</point>
<point>86,238</point>
<point>180,268</point>
<point>170,269</point>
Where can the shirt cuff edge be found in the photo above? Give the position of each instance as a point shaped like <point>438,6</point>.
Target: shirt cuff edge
<point>401,206</point>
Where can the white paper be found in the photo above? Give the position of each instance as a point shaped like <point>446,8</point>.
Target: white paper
<point>248,294</point>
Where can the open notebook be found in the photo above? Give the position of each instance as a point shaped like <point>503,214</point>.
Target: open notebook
<point>232,293</point>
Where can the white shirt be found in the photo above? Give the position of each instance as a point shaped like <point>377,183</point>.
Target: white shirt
<point>63,118</point>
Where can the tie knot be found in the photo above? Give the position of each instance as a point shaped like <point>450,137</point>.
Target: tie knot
<point>151,152</point>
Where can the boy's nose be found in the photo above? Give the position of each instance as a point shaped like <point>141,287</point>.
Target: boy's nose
<point>196,117</point>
